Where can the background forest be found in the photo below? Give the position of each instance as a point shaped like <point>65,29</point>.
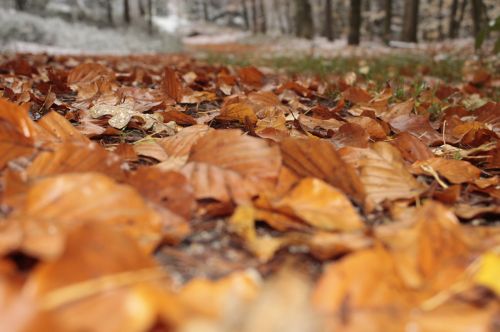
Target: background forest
<point>351,20</point>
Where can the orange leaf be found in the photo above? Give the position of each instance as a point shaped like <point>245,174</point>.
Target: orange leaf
<point>251,76</point>
<point>318,158</point>
<point>172,86</point>
<point>320,206</point>
<point>455,171</point>
<point>241,112</point>
<point>382,172</point>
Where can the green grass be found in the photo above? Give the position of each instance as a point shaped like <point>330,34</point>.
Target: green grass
<point>378,69</point>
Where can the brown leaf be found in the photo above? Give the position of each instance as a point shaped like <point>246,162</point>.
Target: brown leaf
<point>17,132</point>
<point>75,157</point>
<point>320,206</point>
<point>224,185</point>
<point>231,149</point>
<point>56,204</point>
<point>168,189</point>
<point>241,112</point>
<point>318,158</point>
<point>416,125</point>
<point>371,126</point>
<point>178,117</point>
<point>382,172</point>
<point>351,134</point>
<point>82,287</point>
<point>251,76</point>
<point>356,95</point>
<point>172,86</point>
<point>455,171</point>
<point>412,149</point>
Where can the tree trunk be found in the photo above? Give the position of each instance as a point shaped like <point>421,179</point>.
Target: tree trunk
<point>255,22</point>
<point>142,10</point>
<point>109,11</point>
<point>477,10</point>
<point>289,18</point>
<point>21,4</point>
<point>329,20</point>
<point>440,20</point>
<point>206,16</point>
<point>244,11</point>
<point>354,22</point>
<point>263,17</point>
<point>303,19</point>
<point>387,21</point>
<point>281,16</point>
<point>126,11</point>
<point>452,29</point>
<point>150,16</point>
<point>410,21</point>
<point>461,15</point>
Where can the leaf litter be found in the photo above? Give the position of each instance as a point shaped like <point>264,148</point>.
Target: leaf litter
<point>182,196</point>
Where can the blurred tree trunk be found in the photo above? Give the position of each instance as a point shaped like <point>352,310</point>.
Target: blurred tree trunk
<point>263,17</point>
<point>477,17</point>
<point>303,19</point>
<point>281,16</point>
<point>206,16</point>
<point>255,22</point>
<point>126,11</point>
<point>289,17</point>
<point>150,17</point>
<point>387,21</point>
<point>21,4</point>
<point>142,10</point>
<point>452,29</point>
<point>461,15</point>
<point>440,20</point>
<point>109,11</point>
<point>329,20</point>
<point>244,11</point>
<point>354,22</point>
<point>410,21</point>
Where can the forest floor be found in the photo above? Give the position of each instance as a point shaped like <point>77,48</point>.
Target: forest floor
<point>248,192</point>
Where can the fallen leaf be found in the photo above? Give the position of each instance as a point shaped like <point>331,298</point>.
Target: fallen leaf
<point>382,172</point>
<point>318,158</point>
<point>320,206</point>
<point>455,171</point>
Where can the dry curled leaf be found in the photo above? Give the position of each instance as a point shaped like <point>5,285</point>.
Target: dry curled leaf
<point>318,158</point>
<point>383,173</point>
<point>320,206</point>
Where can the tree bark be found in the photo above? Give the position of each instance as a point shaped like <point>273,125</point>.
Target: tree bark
<point>387,21</point>
<point>410,19</point>
<point>109,11</point>
<point>150,17</point>
<point>263,17</point>
<point>303,19</point>
<point>244,11</point>
<point>440,20</point>
<point>255,22</point>
<point>126,11</point>
<point>21,4</point>
<point>461,15</point>
<point>452,28</point>
<point>206,16</point>
<point>329,20</point>
<point>354,22</point>
<point>477,10</point>
<point>281,16</point>
<point>289,18</point>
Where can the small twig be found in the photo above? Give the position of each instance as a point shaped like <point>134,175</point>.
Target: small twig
<point>431,171</point>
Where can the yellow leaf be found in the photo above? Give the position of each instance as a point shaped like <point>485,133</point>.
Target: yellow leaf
<point>488,274</point>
